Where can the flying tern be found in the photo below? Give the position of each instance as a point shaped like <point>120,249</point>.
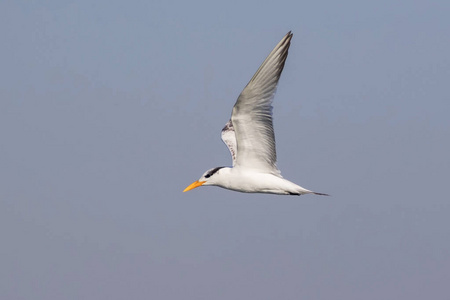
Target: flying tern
<point>249,136</point>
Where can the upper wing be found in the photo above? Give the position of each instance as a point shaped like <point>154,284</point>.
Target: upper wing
<point>229,138</point>
<point>252,113</point>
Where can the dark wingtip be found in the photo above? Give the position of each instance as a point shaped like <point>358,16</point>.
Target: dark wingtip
<point>289,35</point>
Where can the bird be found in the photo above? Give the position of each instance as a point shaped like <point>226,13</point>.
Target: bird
<point>250,138</point>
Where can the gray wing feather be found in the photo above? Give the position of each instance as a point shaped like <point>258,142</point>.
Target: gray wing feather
<point>229,138</point>
<point>252,113</point>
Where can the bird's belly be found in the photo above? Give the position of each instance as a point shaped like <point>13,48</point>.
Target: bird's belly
<point>260,183</point>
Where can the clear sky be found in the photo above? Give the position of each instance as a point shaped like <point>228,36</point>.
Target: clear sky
<point>109,109</point>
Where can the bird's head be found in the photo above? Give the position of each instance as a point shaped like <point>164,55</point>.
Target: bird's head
<point>208,178</point>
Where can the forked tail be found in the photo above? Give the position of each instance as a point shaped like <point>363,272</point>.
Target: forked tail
<point>321,194</point>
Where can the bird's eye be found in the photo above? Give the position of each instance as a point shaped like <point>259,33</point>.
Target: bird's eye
<point>212,172</point>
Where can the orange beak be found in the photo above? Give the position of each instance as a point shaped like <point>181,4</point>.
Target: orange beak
<point>194,185</point>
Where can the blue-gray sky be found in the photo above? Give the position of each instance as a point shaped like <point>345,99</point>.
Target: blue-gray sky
<point>109,109</point>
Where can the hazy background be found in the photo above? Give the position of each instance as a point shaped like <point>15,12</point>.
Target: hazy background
<point>109,109</point>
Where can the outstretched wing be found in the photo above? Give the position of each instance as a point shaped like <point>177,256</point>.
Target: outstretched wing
<point>229,138</point>
<point>252,114</point>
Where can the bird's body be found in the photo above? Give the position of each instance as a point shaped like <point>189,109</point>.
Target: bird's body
<point>254,181</point>
<point>249,136</point>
